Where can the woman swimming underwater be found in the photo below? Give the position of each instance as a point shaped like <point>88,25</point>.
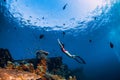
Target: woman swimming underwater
<point>75,57</point>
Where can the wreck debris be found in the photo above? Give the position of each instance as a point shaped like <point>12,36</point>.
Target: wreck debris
<point>72,78</point>
<point>40,54</point>
<point>56,67</point>
<point>4,57</point>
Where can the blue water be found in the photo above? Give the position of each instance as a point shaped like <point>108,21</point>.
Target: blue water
<point>102,61</point>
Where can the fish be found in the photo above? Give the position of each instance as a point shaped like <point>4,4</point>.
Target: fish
<point>111,45</point>
<point>41,36</point>
<point>63,33</point>
<point>43,17</point>
<point>64,7</point>
<point>90,40</point>
<point>15,28</point>
<point>63,24</point>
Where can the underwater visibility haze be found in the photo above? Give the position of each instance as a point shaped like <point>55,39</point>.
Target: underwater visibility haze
<point>88,28</point>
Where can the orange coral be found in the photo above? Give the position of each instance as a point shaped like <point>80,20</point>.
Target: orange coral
<point>6,74</point>
<point>41,67</point>
<point>18,72</point>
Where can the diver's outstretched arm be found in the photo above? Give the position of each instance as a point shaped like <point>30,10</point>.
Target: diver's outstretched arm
<point>60,43</point>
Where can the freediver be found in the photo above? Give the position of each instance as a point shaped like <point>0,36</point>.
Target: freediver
<point>75,57</point>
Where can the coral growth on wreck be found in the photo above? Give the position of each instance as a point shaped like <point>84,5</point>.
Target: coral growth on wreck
<point>33,69</point>
<point>11,74</point>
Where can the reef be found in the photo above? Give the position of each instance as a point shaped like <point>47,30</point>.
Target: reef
<point>39,68</point>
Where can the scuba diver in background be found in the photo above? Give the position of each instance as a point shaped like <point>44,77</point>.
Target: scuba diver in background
<point>75,57</point>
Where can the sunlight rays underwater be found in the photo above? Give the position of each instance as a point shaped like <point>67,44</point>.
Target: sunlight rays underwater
<point>97,18</point>
<point>114,36</point>
<point>114,27</point>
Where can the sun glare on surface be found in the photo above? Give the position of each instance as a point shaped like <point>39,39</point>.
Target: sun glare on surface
<point>45,13</point>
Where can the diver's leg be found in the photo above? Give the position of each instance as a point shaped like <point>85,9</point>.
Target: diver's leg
<point>77,60</point>
<point>81,59</point>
